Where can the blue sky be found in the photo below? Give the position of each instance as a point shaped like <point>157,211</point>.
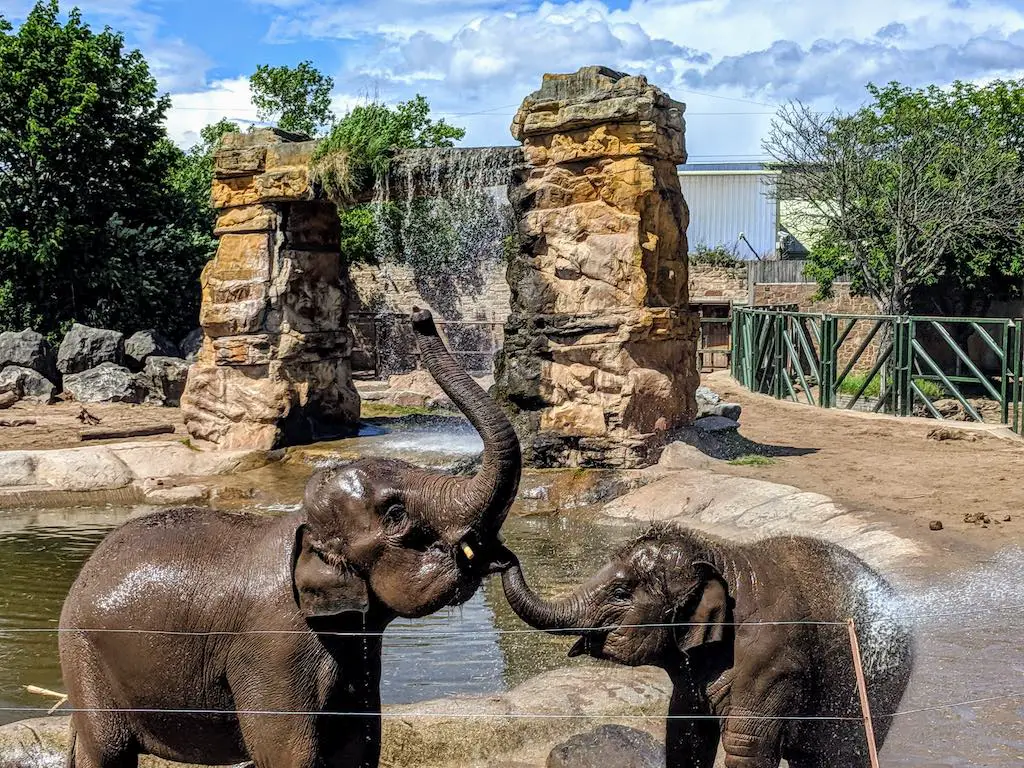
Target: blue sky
<point>731,61</point>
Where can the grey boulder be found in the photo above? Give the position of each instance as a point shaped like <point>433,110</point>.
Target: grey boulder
<point>727,410</point>
<point>84,348</point>
<point>706,397</point>
<point>106,383</point>
<point>163,380</point>
<point>716,424</point>
<point>29,385</point>
<point>28,349</point>
<point>145,344</point>
<point>608,746</point>
<point>191,344</point>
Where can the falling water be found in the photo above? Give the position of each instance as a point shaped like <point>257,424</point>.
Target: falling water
<point>445,214</point>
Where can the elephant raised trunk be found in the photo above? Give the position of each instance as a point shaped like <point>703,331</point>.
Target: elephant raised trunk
<point>481,502</point>
<point>543,614</point>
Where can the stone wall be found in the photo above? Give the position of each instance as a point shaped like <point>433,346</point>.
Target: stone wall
<point>712,283</point>
<point>843,302</point>
<point>600,352</point>
<point>274,366</point>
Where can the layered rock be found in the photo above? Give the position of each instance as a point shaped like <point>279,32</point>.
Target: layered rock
<point>274,365</point>
<point>599,353</point>
<point>163,380</point>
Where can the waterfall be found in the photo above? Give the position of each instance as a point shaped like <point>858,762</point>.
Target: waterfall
<point>444,214</point>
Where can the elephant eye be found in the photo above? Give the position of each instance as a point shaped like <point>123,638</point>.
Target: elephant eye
<point>395,517</point>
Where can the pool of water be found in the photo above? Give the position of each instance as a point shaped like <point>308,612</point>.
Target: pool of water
<point>969,633</point>
<point>461,650</point>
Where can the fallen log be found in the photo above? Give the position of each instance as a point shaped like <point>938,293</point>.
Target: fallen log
<point>16,422</point>
<point>116,434</point>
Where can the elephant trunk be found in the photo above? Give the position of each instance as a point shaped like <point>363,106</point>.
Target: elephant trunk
<point>537,612</point>
<point>481,502</point>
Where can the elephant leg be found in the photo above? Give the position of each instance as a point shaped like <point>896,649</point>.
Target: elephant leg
<point>690,742</point>
<point>108,751</point>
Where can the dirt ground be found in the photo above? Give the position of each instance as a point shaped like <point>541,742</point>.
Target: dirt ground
<point>58,425</point>
<point>889,465</point>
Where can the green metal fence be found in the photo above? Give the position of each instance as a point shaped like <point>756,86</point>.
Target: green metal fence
<point>943,367</point>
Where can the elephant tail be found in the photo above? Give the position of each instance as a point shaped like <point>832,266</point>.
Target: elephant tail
<point>69,762</point>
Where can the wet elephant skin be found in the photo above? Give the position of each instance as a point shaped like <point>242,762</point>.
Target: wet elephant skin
<point>753,636</point>
<point>208,637</point>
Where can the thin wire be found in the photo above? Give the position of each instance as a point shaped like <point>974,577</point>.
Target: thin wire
<point>459,632</point>
<point>504,715</point>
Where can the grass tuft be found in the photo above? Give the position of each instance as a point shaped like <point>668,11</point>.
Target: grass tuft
<point>753,460</point>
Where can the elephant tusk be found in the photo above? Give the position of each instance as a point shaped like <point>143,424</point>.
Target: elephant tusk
<point>467,551</point>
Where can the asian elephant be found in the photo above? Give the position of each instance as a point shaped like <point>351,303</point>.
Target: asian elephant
<point>733,625</point>
<point>226,637</point>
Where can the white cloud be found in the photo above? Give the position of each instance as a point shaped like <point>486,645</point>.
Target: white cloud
<point>190,112</point>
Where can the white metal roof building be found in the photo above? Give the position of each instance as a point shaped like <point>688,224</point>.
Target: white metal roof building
<point>727,200</point>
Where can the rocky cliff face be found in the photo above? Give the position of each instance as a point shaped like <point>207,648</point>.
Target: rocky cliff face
<point>599,354</point>
<point>274,366</point>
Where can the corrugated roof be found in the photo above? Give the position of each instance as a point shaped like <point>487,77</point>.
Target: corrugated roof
<point>725,167</point>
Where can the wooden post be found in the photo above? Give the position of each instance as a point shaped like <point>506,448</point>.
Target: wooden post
<point>862,689</point>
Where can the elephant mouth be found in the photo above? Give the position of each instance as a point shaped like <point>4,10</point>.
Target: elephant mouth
<point>591,643</point>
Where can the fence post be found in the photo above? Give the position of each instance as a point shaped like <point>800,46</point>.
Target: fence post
<point>734,342</point>
<point>778,328</point>
<point>1018,371</point>
<point>827,360</point>
<point>862,690</point>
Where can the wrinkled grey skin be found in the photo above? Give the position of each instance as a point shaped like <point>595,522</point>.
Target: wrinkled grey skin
<point>672,576</point>
<point>372,541</point>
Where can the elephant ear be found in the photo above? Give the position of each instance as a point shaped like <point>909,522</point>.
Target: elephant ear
<point>322,589</point>
<point>708,608</point>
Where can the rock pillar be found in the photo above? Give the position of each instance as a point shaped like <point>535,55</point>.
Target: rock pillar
<point>600,351</point>
<point>274,367</point>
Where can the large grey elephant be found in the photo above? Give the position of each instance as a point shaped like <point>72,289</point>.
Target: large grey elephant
<point>206,637</point>
<point>734,627</point>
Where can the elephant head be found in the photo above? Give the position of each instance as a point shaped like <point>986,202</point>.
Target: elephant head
<point>656,598</point>
<point>385,533</point>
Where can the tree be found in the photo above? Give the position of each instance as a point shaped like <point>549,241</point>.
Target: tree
<point>298,97</point>
<point>91,227</point>
<point>913,188</point>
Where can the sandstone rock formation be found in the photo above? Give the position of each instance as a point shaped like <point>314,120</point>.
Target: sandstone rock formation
<point>274,365</point>
<point>599,351</point>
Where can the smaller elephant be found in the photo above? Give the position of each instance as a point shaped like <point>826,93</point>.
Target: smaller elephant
<point>753,637</point>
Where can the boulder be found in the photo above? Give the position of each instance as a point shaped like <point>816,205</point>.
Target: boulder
<point>28,349</point>
<point>84,348</point>
<point>706,398</point>
<point>28,384</point>
<point>609,745</point>
<point>106,383</point>
<point>163,379</point>
<point>191,344</point>
<point>716,424</point>
<point>726,410</point>
<point>145,344</point>
<point>8,398</point>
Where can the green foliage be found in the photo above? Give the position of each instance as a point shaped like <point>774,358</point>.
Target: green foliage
<point>717,256</point>
<point>853,382</point>
<point>921,192</point>
<point>298,97</point>
<point>359,148</point>
<point>753,460</point>
<point>97,223</point>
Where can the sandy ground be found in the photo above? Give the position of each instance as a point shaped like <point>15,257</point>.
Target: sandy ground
<point>888,465</point>
<point>58,426</point>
